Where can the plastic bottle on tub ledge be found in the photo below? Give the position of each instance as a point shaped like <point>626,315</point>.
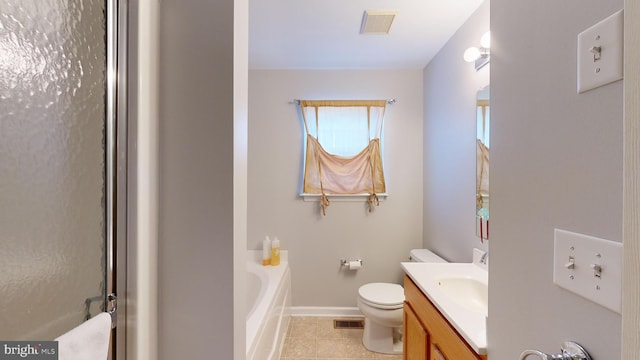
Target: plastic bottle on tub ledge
<point>275,252</point>
<point>266,251</point>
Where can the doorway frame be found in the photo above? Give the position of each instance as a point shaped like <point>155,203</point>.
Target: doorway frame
<point>116,174</point>
<point>631,188</point>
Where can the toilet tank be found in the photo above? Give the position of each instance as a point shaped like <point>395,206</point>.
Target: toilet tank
<point>425,255</point>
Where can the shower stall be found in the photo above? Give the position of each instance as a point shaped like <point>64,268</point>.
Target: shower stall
<point>63,166</point>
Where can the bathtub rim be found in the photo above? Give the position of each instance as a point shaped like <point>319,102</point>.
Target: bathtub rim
<point>278,277</point>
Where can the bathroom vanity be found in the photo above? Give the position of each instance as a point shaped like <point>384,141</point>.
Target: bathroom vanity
<point>436,340</point>
<point>445,312</point>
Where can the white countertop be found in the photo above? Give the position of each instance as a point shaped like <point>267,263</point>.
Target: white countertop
<point>470,323</point>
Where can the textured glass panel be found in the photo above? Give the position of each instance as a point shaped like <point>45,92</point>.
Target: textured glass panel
<point>52,90</point>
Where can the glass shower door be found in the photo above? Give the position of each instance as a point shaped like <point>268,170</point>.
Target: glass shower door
<point>53,192</point>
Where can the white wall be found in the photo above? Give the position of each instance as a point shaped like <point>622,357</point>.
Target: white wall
<point>450,86</point>
<point>631,277</point>
<point>196,180</point>
<point>382,238</point>
<point>240,167</point>
<point>556,163</point>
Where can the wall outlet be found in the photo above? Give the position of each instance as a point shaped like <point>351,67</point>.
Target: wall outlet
<point>590,267</point>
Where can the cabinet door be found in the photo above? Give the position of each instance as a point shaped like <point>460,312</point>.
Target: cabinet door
<point>416,338</point>
<point>435,353</point>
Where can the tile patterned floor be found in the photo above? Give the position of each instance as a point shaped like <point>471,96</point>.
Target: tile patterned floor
<point>314,338</point>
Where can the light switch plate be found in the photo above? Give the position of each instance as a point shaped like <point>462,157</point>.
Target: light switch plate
<point>575,267</point>
<point>600,53</point>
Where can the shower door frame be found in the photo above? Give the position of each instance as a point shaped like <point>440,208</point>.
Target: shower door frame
<point>116,176</point>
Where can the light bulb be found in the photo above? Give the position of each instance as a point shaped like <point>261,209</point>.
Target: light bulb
<point>471,54</point>
<point>485,40</point>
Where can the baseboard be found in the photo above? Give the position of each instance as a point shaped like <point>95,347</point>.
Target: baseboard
<point>325,311</point>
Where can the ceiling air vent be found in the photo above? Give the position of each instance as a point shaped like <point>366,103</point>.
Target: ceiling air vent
<point>377,21</point>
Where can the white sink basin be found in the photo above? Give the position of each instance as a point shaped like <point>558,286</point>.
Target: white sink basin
<point>460,292</point>
<point>467,292</point>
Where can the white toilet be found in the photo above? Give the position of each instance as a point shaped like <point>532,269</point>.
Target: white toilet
<point>381,304</point>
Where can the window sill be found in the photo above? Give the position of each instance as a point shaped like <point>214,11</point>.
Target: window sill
<point>342,197</point>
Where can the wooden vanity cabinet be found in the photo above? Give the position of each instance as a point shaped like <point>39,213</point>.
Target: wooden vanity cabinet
<point>415,335</point>
<point>427,334</point>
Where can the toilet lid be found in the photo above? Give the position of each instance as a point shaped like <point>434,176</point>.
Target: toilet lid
<point>383,294</point>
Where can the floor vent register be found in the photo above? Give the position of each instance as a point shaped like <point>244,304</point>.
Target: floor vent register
<point>348,324</point>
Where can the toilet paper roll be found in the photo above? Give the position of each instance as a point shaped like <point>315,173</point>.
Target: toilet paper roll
<point>354,265</point>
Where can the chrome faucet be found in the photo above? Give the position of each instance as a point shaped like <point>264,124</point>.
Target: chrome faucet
<point>485,258</point>
<point>570,351</point>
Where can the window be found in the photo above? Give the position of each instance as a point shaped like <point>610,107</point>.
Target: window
<point>343,153</point>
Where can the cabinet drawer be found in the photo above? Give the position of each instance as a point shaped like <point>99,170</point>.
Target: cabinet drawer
<point>442,335</point>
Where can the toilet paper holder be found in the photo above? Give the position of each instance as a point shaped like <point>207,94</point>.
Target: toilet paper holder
<point>348,263</point>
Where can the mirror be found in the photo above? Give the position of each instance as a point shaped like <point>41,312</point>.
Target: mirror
<point>483,121</point>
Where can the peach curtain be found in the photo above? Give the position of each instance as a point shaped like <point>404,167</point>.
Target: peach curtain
<point>482,171</point>
<point>482,153</point>
<point>327,173</point>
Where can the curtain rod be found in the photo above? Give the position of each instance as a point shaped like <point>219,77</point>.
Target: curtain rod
<point>297,101</point>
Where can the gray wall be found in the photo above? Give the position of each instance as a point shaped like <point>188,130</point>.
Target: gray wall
<point>382,238</point>
<point>195,235</point>
<point>450,86</point>
<point>556,163</point>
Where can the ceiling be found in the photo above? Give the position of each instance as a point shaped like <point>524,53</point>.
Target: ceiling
<point>325,34</point>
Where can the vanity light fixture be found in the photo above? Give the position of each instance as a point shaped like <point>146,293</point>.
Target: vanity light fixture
<point>480,56</point>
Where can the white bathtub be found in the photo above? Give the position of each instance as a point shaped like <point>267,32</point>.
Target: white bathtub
<point>268,303</point>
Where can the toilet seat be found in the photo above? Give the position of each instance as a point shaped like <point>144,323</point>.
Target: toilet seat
<point>382,295</point>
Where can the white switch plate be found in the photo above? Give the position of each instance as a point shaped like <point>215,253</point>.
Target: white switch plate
<point>587,251</point>
<point>608,36</point>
